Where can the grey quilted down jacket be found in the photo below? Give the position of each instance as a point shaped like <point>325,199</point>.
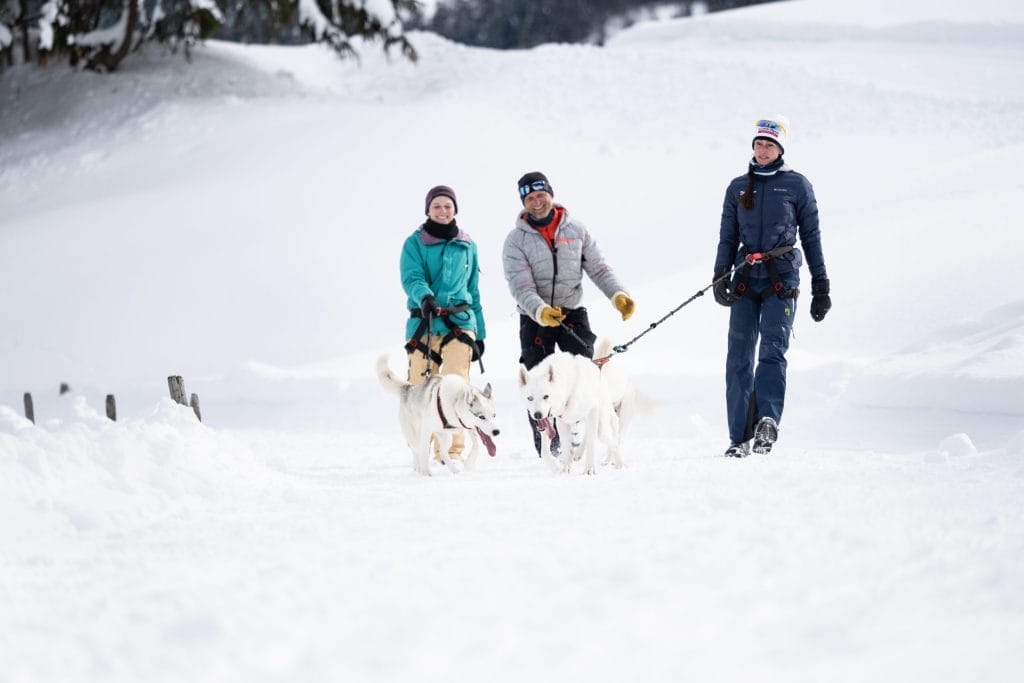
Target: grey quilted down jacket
<point>538,274</point>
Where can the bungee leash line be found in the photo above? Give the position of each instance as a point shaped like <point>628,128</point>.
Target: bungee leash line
<point>622,348</point>
<point>749,260</point>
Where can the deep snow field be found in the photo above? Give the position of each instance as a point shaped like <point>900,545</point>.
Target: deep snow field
<point>237,220</point>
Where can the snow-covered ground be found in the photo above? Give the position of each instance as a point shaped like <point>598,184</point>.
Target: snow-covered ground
<point>237,221</point>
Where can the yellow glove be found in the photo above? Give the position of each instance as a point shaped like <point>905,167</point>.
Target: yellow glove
<point>624,305</point>
<point>551,316</point>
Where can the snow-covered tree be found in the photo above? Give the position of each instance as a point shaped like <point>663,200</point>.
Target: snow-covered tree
<point>335,22</point>
<point>517,24</point>
<point>99,34</point>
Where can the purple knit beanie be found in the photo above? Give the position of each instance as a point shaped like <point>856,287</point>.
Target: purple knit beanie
<point>440,191</point>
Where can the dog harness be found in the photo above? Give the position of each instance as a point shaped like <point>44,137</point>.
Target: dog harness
<point>440,413</point>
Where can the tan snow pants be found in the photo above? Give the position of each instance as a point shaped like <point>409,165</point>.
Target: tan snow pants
<point>456,358</point>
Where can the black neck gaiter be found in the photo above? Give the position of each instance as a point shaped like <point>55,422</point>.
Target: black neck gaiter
<point>767,169</point>
<point>441,231</point>
<point>543,222</point>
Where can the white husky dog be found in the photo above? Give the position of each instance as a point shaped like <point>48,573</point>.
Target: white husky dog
<point>574,389</point>
<point>567,388</point>
<point>439,407</point>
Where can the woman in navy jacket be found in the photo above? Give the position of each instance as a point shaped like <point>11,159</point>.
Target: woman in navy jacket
<point>757,274</point>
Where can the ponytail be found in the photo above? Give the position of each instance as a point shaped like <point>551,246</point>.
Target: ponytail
<point>747,198</point>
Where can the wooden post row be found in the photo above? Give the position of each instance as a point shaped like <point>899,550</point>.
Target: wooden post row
<point>176,384</point>
<point>177,387</point>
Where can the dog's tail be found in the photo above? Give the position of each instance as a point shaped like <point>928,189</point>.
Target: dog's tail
<point>388,379</point>
<point>604,348</point>
<point>644,404</point>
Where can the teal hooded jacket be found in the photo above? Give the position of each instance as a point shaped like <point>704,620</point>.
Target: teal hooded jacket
<point>448,269</point>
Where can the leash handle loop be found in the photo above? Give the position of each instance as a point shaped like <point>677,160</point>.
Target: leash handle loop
<point>429,349</point>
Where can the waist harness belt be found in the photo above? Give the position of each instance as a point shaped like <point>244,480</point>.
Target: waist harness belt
<point>454,332</point>
<point>742,287</point>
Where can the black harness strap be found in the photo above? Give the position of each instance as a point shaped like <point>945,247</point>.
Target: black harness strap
<point>454,332</point>
<point>416,343</point>
<point>768,259</point>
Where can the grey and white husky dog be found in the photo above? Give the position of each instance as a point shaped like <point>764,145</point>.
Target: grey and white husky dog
<point>438,408</point>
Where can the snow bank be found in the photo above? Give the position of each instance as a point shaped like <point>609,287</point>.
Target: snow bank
<point>79,472</point>
<point>990,22</point>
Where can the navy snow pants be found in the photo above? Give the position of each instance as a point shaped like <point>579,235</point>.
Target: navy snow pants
<point>756,390</point>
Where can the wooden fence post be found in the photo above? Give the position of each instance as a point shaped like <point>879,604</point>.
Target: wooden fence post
<point>195,406</point>
<point>64,388</point>
<point>177,387</point>
<point>30,411</point>
<point>111,407</point>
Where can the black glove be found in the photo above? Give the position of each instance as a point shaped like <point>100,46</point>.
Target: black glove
<point>820,301</point>
<point>428,307</point>
<point>479,353</point>
<point>723,292</point>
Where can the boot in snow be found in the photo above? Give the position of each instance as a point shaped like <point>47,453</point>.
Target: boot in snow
<point>765,434</point>
<point>737,450</point>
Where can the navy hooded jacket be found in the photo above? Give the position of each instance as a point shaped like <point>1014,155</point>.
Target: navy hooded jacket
<point>784,207</point>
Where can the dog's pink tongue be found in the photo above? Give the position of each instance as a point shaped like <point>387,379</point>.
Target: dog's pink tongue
<point>488,442</point>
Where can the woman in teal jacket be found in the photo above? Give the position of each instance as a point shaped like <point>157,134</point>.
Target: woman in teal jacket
<point>440,275</point>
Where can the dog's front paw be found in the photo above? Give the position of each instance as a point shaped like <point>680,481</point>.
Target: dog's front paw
<point>614,460</point>
<point>590,469</point>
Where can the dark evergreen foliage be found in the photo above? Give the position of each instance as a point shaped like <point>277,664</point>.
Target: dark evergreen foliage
<point>99,34</point>
<point>506,24</point>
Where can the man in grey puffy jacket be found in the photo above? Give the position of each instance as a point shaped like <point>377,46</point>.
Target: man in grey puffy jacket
<point>545,256</point>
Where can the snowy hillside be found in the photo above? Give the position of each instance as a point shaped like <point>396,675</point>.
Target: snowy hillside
<point>238,221</point>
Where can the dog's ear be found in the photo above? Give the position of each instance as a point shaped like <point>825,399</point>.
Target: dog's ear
<point>522,375</point>
<point>467,395</point>
<point>487,390</point>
